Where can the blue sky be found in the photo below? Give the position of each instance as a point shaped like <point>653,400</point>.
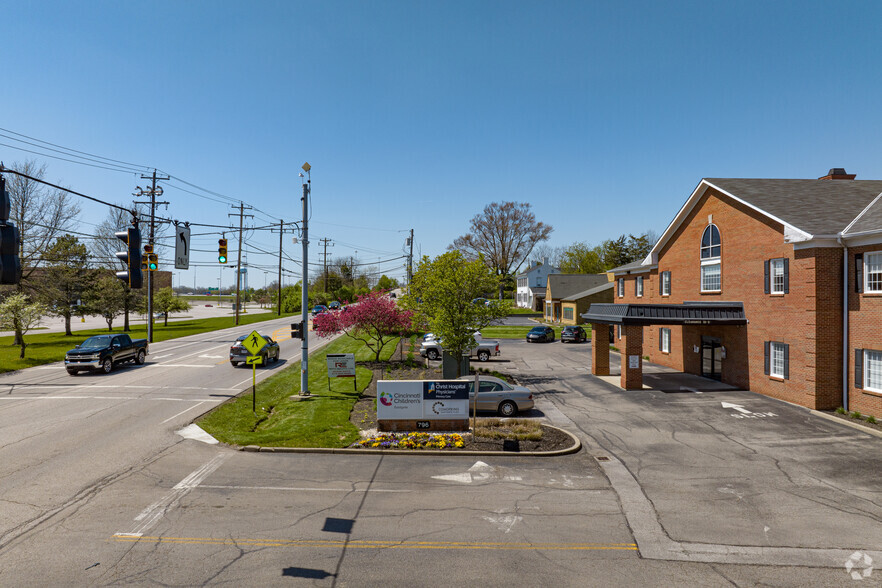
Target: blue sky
<point>415,115</point>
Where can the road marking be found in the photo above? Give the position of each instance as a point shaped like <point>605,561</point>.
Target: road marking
<point>211,356</point>
<point>186,365</point>
<point>108,398</point>
<point>504,522</point>
<point>155,357</point>
<point>151,515</point>
<point>746,414</point>
<point>365,544</point>
<point>480,472</point>
<point>197,433</point>
<point>182,412</point>
<point>297,489</point>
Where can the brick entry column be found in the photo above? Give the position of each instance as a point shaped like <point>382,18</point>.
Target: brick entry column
<point>599,349</point>
<point>632,344</point>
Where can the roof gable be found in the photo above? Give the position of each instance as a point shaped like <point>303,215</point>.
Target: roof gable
<point>806,208</point>
<point>560,286</point>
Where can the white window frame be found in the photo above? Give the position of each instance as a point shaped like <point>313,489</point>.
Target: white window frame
<point>639,286</point>
<point>707,265</point>
<point>776,273</point>
<point>708,260</point>
<point>666,283</point>
<point>621,287</point>
<point>666,340</point>
<point>872,377</point>
<point>776,352</point>
<point>876,256</point>
<point>618,331</point>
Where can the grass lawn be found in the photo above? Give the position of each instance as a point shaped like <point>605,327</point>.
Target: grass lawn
<point>515,309</point>
<point>517,332</point>
<point>321,420</point>
<point>45,348</point>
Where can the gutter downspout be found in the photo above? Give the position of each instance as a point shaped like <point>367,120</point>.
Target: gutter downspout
<point>845,347</point>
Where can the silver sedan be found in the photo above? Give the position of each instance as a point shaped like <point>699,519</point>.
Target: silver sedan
<point>499,396</point>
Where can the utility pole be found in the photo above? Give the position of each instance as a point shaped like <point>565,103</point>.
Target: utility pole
<point>242,215</point>
<point>281,234</point>
<point>304,345</point>
<point>325,242</point>
<point>410,261</point>
<point>154,191</point>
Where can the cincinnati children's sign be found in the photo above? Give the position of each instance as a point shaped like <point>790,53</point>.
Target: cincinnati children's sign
<point>422,399</point>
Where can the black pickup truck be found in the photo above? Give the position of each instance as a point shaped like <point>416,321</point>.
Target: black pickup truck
<point>102,352</point>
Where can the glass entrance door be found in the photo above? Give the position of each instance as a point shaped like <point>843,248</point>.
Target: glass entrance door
<point>711,357</point>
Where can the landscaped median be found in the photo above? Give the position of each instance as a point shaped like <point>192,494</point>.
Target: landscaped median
<point>43,348</point>
<point>325,421</point>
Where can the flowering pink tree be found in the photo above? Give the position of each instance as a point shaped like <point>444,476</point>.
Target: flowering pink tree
<point>374,319</point>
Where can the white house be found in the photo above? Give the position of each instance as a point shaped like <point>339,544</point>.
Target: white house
<point>530,292</point>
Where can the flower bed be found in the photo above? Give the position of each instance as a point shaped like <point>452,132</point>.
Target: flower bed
<point>412,441</point>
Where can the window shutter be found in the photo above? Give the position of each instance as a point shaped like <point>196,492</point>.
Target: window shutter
<point>661,283</point>
<point>660,337</point>
<point>766,264</point>
<point>859,272</point>
<point>858,368</point>
<point>766,351</point>
<point>786,361</point>
<point>786,276</point>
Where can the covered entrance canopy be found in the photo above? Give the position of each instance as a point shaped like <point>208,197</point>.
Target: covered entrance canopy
<point>633,317</point>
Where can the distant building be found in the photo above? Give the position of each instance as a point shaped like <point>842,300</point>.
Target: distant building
<point>566,292</point>
<point>770,285</point>
<point>531,285</point>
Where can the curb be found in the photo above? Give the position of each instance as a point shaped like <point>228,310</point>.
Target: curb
<point>575,448</point>
<point>867,430</point>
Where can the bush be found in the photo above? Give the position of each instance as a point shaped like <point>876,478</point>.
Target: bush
<point>856,415</point>
<point>840,410</point>
<point>871,419</point>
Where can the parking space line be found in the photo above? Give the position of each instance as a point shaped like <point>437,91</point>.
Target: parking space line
<point>298,489</point>
<point>367,544</point>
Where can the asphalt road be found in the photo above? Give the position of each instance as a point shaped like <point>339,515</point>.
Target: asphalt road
<point>671,489</point>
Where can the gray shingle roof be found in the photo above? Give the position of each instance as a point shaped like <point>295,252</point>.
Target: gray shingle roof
<point>591,292</point>
<point>818,207</point>
<point>628,266</point>
<point>564,285</point>
<point>870,221</point>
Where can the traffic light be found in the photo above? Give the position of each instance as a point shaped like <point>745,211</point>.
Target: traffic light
<point>222,251</point>
<point>10,263</point>
<point>152,261</point>
<point>132,238</point>
<point>297,330</point>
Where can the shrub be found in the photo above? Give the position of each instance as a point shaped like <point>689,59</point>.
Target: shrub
<point>871,419</point>
<point>856,415</point>
<point>840,410</point>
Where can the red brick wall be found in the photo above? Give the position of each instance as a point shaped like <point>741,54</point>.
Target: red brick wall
<point>805,317</point>
<point>865,332</point>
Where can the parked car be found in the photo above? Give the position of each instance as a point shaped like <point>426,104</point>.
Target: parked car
<point>544,334</point>
<point>239,354</point>
<point>573,333</point>
<point>318,309</point>
<point>499,396</point>
<point>102,352</point>
<point>335,305</point>
<point>209,305</point>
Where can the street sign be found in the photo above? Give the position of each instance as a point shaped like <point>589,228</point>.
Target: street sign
<point>341,365</point>
<point>182,248</point>
<point>254,360</point>
<point>254,343</point>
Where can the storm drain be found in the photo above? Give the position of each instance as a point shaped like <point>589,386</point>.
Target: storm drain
<point>601,458</point>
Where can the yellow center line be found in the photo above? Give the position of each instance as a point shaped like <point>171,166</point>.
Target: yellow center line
<point>366,544</point>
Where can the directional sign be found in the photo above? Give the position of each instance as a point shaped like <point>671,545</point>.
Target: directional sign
<point>341,365</point>
<point>254,343</point>
<point>254,360</point>
<point>182,248</point>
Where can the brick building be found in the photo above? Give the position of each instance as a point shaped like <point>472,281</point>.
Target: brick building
<point>770,285</point>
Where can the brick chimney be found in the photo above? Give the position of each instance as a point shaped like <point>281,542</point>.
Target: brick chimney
<point>838,173</point>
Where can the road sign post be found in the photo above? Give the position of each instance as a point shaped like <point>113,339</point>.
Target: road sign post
<point>254,361</point>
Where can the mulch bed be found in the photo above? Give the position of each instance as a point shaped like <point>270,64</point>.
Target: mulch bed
<point>861,422</point>
<point>364,414</point>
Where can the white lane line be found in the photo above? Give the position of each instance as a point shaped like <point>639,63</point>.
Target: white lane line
<point>296,489</point>
<point>186,365</point>
<point>109,398</point>
<point>155,357</point>
<point>151,515</point>
<point>182,412</point>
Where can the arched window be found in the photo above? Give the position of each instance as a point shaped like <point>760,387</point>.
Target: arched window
<point>711,249</point>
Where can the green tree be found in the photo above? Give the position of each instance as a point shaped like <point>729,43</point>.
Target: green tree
<point>164,300</point>
<point>106,296</point>
<point>581,258</point>
<point>386,283</point>
<point>64,278</point>
<point>19,314</point>
<point>441,294</point>
<point>292,298</point>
